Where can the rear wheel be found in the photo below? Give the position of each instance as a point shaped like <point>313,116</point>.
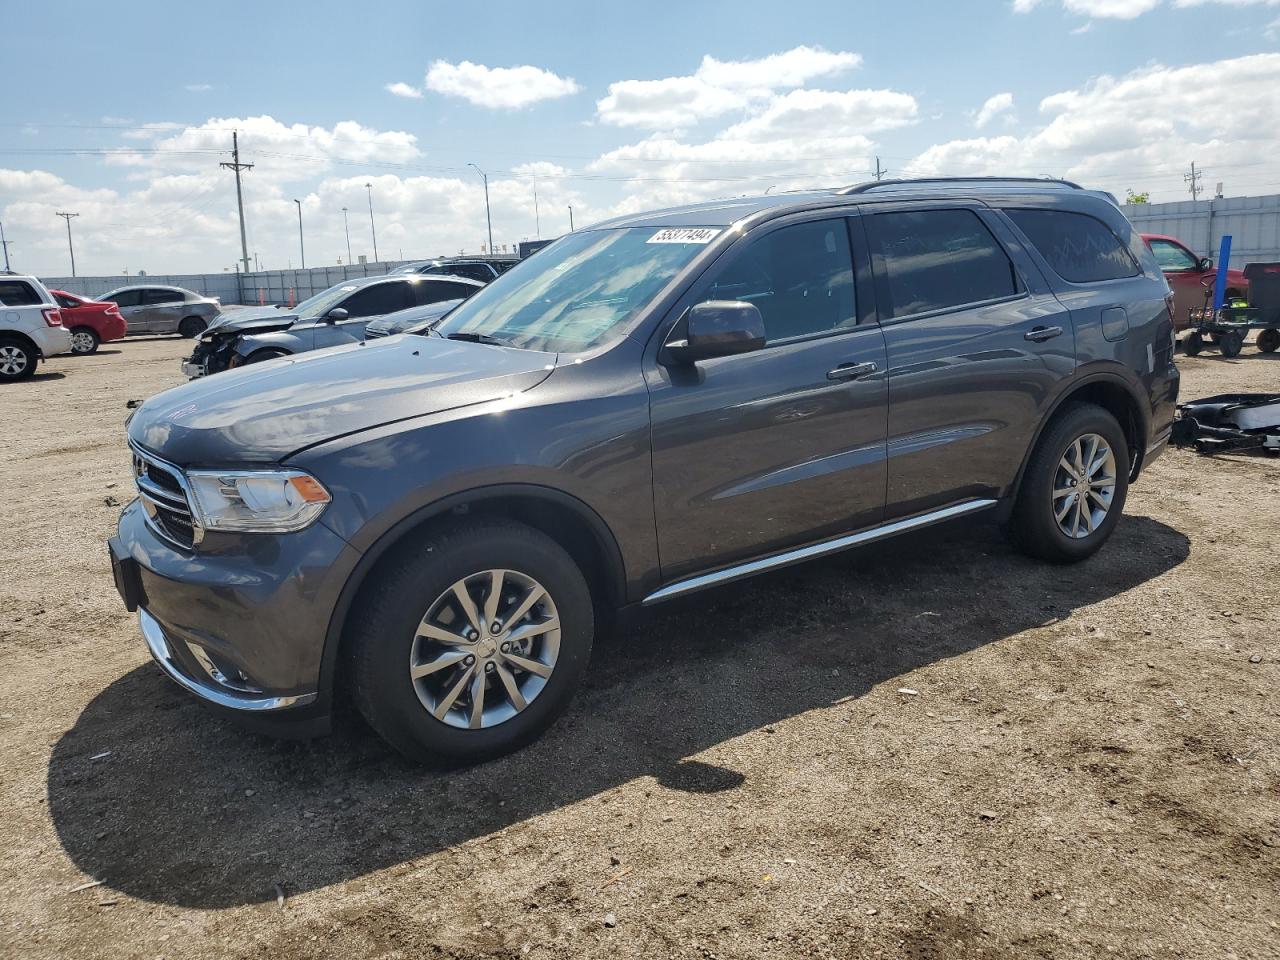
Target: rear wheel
<point>1193,343</point>
<point>84,341</point>
<point>17,359</point>
<point>1269,340</point>
<point>191,327</point>
<point>1075,486</point>
<point>472,643</point>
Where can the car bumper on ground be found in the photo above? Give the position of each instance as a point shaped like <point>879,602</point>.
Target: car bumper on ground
<point>240,623</point>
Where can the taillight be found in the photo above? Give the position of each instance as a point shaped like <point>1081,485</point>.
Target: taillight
<point>112,311</point>
<point>52,316</point>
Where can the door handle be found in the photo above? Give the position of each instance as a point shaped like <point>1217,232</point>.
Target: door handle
<point>1041,334</point>
<point>852,371</point>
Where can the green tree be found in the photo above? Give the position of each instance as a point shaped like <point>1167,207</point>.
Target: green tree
<point>1131,197</point>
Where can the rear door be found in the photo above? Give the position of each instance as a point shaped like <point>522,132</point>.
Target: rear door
<point>162,309</point>
<point>975,344</point>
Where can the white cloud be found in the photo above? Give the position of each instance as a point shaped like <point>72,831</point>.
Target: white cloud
<point>497,87</point>
<point>198,87</point>
<point>716,88</point>
<point>993,107</point>
<point>400,89</point>
<point>1129,9</point>
<point>1273,29</point>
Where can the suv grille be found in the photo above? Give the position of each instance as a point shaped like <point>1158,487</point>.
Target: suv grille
<point>164,498</point>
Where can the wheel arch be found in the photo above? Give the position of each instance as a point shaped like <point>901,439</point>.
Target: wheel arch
<point>566,519</point>
<point>21,338</point>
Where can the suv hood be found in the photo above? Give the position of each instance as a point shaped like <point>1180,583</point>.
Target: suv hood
<point>264,412</point>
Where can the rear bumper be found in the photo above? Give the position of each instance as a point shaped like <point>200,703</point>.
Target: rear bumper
<point>112,328</point>
<point>52,341</point>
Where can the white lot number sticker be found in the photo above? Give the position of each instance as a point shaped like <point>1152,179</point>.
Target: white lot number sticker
<point>684,235</point>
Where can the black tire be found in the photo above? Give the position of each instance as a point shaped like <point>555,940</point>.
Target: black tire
<point>1193,343</point>
<point>401,593</point>
<point>84,341</point>
<point>18,359</point>
<point>191,327</point>
<point>1033,525</point>
<point>1231,343</point>
<point>271,353</point>
<point>1269,340</point>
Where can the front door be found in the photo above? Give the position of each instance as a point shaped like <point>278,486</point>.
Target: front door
<point>1186,279</point>
<point>130,304</point>
<point>756,453</point>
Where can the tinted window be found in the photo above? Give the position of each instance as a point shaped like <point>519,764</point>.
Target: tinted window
<point>126,298</point>
<point>18,293</point>
<point>162,296</point>
<point>1078,247</point>
<point>935,259</point>
<point>380,298</point>
<point>1171,257</point>
<point>800,277</point>
<point>66,302</point>
<point>435,291</point>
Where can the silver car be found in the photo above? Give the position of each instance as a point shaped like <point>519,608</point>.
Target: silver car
<point>155,309</point>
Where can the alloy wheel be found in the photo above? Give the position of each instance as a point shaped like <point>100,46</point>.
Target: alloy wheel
<point>485,649</point>
<point>82,341</point>
<point>1084,486</point>
<point>13,360</point>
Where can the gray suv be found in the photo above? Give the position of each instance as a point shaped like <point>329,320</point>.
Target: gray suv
<point>440,523</point>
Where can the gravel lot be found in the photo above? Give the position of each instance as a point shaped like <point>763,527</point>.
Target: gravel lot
<point>931,749</point>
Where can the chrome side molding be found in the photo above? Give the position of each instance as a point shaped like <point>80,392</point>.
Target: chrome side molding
<point>778,560</point>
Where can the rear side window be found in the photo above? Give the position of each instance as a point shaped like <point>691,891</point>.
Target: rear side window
<point>800,277</point>
<point>937,259</point>
<point>18,293</point>
<point>379,299</point>
<point>161,296</point>
<point>1079,248</point>
<point>433,292</point>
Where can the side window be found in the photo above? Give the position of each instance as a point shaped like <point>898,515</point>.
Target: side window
<point>444,290</point>
<point>1172,257</point>
<point>935,259</point>
<point>1079,248</point>
<point>18,293</point>
<point>65,302</point>
<point>800,277</point>
<point>379,299</point>
<point>127,298</point>
<point>161,296</point>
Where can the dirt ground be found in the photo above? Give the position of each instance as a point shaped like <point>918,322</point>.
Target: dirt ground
<point>930,749</point>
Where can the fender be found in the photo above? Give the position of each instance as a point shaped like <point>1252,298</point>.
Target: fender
<point>608,544</point>
<point>251,343</point>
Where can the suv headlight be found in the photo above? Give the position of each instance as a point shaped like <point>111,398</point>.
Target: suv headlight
<point>256,501</point>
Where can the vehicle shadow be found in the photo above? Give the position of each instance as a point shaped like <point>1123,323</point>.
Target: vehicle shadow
<point>188,809</point>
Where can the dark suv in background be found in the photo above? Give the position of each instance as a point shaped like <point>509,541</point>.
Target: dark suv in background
<point>652,406</point>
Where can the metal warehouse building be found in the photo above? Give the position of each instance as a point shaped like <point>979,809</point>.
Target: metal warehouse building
<point>1252,222</point>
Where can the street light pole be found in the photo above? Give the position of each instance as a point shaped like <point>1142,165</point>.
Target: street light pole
<point>347,228</point>
<point>302,250</point>
<point>67,217</point>
<point>537,221</point>
<point>487,215</point>
<point>372,229</point>
<point>571,218</point>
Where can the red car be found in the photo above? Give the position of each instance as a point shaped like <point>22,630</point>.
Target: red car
<point>90,322</point>
<point>1189,276</point>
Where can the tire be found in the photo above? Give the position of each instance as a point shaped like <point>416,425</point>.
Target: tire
<point>1269,340</point>
<point>191,327</point>
<point>1034,524</point>
<point>84,341</point>
<point>417,581</point>
<point>1193,343</point>
<point>18,359</point>
<point>259,356</point>
<point>1231,343</point>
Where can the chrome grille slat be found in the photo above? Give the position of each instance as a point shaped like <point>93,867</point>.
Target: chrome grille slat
<point>163,491</point>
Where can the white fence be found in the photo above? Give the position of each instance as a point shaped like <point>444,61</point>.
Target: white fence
<point>1252,222</point>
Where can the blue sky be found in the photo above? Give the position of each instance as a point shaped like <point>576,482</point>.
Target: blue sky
<point>122,114</point>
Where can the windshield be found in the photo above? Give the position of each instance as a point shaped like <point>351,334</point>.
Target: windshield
<point>580,291</point>
<point>325,300</point>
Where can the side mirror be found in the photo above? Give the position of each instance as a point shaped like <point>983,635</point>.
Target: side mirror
<point>717,328</point>
<point>336,315</point>
<point>1206,264</point>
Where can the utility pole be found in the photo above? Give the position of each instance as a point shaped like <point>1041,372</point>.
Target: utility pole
<point>571,218</point>
<point>237,166</point>
<point>1193,179</point>
<point>347,228</point>
<point>301,248</point>
<point>880,171</point>
<point>372,229</point>
<point>4,243</point>
<point>488,217</point>
<point>67,217</point>
<point>537,221</point>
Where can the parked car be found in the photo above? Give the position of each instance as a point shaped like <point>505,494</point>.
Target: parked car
<point>335,316</point>
<point>659,404</point>
<point>30,327</point>
<point>403,321</point>
<point>90,322</point>
<point>1191,277</point>
<point>482,269</point>
<point>152,309</point>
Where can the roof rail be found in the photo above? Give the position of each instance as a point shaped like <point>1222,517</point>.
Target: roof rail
<point>985,181</point>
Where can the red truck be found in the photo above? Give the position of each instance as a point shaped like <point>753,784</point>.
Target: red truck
<point>1189,276</point>
<point>90,322</point>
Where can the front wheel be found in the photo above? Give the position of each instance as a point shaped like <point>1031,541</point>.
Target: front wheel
<point>261,356</point>
<point>472,642</point>
<point>84,341</point>
<point>1075,486</point>
<point>17,360</point>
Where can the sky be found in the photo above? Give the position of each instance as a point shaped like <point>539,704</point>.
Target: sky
<point>123,113</point>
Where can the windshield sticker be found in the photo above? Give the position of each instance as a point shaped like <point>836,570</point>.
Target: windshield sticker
<point>684,235</point>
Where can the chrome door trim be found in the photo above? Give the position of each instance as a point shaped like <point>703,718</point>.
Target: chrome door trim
<point>729,574</point>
